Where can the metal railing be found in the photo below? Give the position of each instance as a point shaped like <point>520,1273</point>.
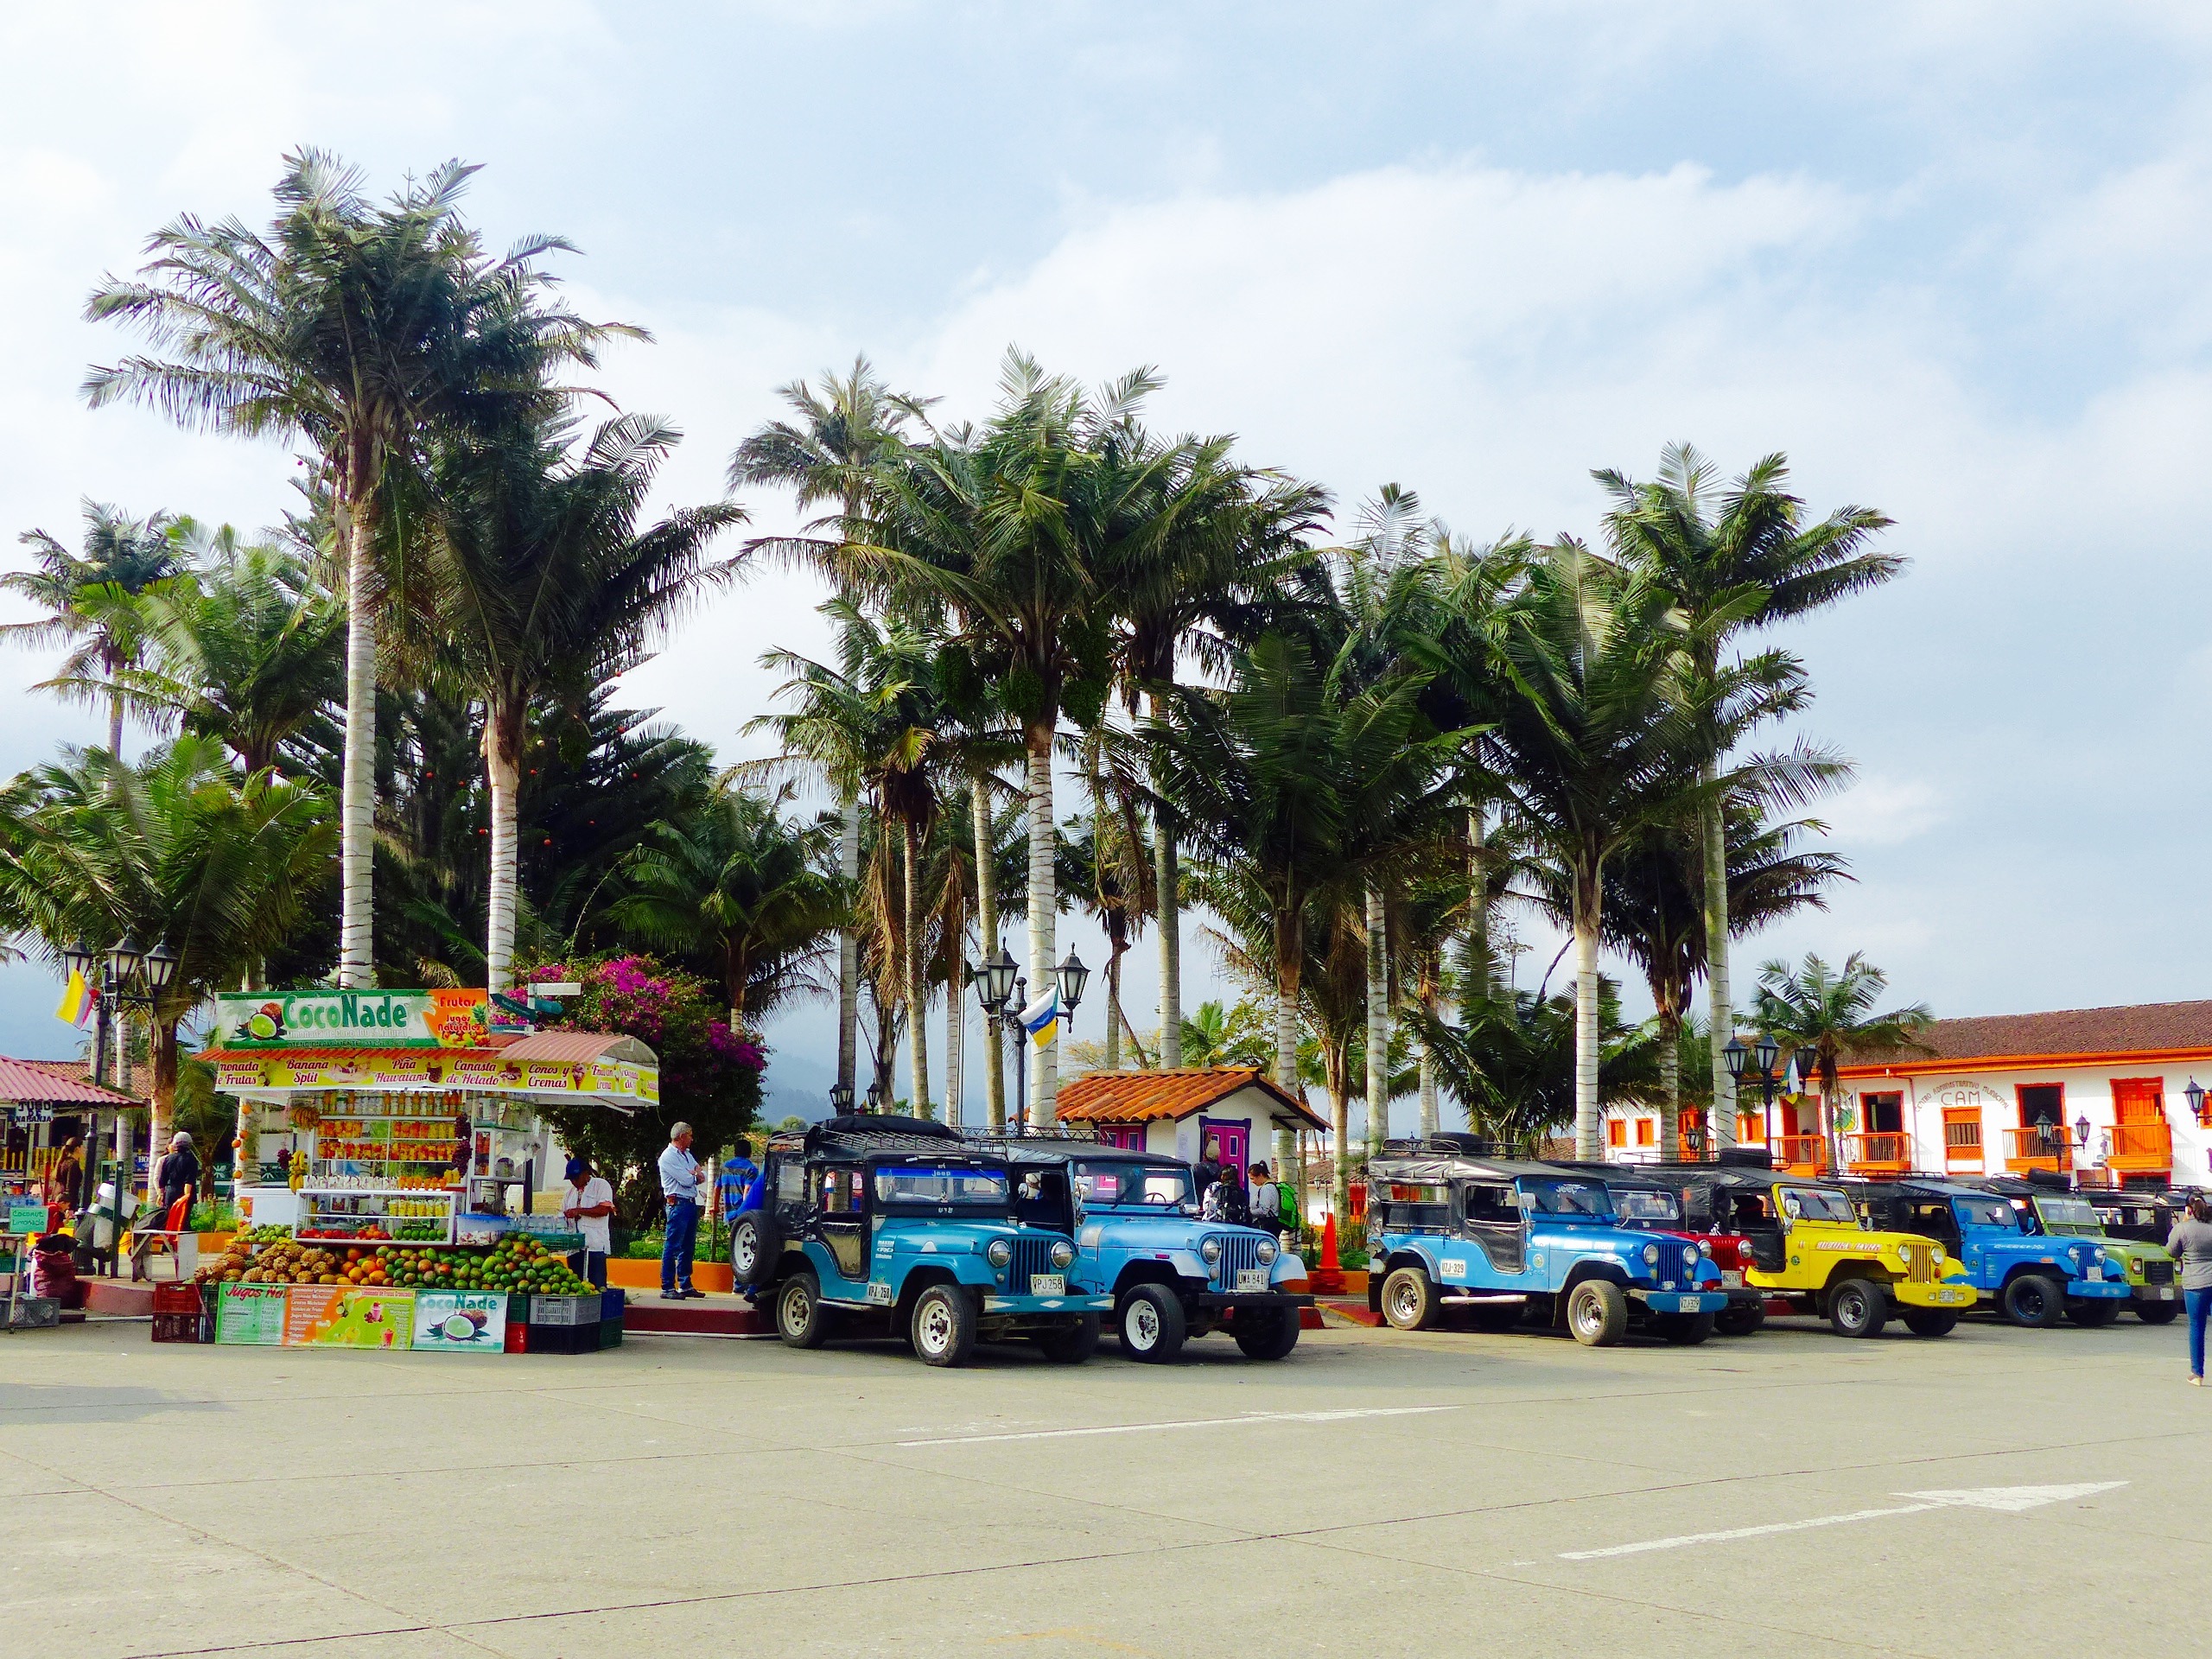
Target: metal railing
<point>2037,1149</point>
<point>1801,1154</point>
<point>1879,1149</point>
<point>1962,1143</point>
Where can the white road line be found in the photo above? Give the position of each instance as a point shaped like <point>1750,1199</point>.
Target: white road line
<point>1193,1422</point>
<point>2008,1500</point>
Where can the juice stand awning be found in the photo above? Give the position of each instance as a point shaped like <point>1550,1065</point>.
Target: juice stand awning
<point>302,1043</point>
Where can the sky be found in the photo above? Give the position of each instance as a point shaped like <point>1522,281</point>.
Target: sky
<point>1950,260</point>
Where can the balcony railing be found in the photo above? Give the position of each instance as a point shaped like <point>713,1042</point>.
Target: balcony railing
<point>2035,1148</point>
<point>1880,1152</point>
<point>2142,1146</point>
<point>1801,1154</point>
<point>1962,1144</point>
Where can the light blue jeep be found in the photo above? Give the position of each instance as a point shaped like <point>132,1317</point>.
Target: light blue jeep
<point>874,1225</point>
<point>1508,1241</point>
<point>1172,1274</point>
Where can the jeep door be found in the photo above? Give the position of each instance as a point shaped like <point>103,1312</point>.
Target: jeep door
<point>839,1217</point>
<point>1490,1216</point>
<point>1751,1215</point>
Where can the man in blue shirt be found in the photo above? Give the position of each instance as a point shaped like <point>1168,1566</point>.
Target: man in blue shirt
<point>679,1192</point>
<point>736,1180</point>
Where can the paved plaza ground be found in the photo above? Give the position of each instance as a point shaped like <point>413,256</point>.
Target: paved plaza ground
<point>1437,1494</point>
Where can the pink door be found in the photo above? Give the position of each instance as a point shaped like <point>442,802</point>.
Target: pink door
<point>1226,1144</point>
<point>1130,1137</point>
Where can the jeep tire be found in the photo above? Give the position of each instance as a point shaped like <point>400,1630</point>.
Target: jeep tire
<point>1265,1332</point>
<point>1740,1319</point>
<point>755,1241</point>
<point>2156,1312</point>
<point>1597,1313</point>
<point>2095,1312</point>
<point>1858,1307</point>
<point>2032,1300</point>
<point>1930,1321</point>
<point>1408,1299</point>
<point>943,1325</point>
<point>1150,1323</point>
<point>801,1320</point>
<point>1070,1343</point>
<point>1683,1330</point>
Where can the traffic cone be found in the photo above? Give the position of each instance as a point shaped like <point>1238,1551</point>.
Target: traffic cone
<point>1328,1277</point>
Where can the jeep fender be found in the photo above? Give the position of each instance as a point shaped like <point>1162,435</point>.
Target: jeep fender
<point>1148,1270</point>
<point>1187,1264</point>
<point>918,1278</point>
<point>1590,1266</point>
<point>1877,1273</point>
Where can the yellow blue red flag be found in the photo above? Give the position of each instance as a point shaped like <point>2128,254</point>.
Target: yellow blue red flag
<point>1041,1019</point>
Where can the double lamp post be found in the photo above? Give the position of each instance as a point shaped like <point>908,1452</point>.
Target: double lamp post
<point>1765,1053</point>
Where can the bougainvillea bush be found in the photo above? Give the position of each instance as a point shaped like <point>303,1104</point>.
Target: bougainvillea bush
<point>709,1076</point>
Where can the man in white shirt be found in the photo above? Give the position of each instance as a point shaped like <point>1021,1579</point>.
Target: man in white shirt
<point>591,1202</point>
<point>679,1190</point>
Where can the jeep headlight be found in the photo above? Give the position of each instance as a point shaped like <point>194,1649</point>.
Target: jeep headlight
<point>1705,1248</point>
<point>1210,1248</point>
<point>998,1252</point>
<point>1063,1254</point>
<point>1904,1250</point>
<point>1651,1255</point>
<point>1267,1252</point>
<point>2136,1262</point>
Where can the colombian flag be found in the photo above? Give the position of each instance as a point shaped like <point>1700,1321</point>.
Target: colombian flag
<point>1041,1019</point>
<point>77,1001</point>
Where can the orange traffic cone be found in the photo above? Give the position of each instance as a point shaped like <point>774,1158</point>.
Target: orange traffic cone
<point>1328,1277</point>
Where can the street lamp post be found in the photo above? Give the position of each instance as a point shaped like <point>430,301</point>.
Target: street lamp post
<point>1740,1060</point>
<point>124,976</point>
<point>1001,990</point>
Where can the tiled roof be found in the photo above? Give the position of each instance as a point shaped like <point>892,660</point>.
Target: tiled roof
<point>2142,1028</point>
<point>54,1083</point>
<point>1140,1097</point>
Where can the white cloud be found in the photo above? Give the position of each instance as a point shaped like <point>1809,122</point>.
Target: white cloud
<point>1882,811</point>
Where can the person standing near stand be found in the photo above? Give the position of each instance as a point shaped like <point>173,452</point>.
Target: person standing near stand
<point>2191,1245</point>
<point>679,1192</point>
<point>591,1202</point>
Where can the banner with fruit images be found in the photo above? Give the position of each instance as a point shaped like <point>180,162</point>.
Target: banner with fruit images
<point>461,1321</point>
<point>616,1080</point>
<point>328,1018</point>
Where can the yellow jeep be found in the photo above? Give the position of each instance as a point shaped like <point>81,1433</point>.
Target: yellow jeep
<point>1805,1243</point>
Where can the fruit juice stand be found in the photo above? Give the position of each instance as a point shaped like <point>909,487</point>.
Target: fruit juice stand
<point>385,1130</point>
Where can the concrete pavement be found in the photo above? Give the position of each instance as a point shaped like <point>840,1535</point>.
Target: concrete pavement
<point>1441,1493</point>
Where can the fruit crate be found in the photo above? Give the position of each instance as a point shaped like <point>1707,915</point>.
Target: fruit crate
<point>561,1339</point>
<point>564,1310</point>
<point>611,1306</point>
<point>177,1299</point>
<point>36,1312</point>
<point>179,1327</point>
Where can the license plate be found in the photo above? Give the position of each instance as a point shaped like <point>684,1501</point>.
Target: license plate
<point>1048,1284</point>
<point>1950,1295</point>
<point>2164,1294</point>
<point>1251,1280</point>
<point>2096,1275</point>
<point>1732,1279</point>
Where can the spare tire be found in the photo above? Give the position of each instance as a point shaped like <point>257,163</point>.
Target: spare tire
<point>755,1241</point>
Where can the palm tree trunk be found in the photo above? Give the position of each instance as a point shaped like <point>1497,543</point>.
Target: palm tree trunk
<point>1114,1011</point>
<point>163,1112</point>
<point>849,944</point>
<point>1478,975</point>
<point>956,1041</point>
<point>1168,907</point>
<point>1723,1015</point>
<point>1588,1128</point>
<point>1670,1086</point>
<point>503,772</point>
<point>1429,1114</point>
<point>1378,1023</point>
<point>1044,905</point>
<point>987,946</point>
<point>115,724</point>
<point>357,791</point>
<point>910,961</point>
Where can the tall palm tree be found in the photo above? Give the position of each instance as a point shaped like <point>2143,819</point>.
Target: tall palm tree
<point>830,453</point>
<point>1734,559</point>
<point>177,850</point>
<point>122,557</point>
<point>245,645</point>
<point>738,886</point>
<point>1512,1067</point>
<point>358,328</point>
<point>545,586</point>
<point>1831,1011</point>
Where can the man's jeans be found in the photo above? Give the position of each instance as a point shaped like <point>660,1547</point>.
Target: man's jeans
<point>676,1244</point>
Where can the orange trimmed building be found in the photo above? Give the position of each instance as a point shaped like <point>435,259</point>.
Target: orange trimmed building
<point>2104,1093</point>
<point>1229,1112</point>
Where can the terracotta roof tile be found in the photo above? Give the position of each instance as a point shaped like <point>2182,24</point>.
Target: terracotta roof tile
<point>1141,1097</point>
<point>2141,1027</point>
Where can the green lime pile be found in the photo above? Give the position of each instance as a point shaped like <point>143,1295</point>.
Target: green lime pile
<point>262,1235</point>
<point>515,1264</point>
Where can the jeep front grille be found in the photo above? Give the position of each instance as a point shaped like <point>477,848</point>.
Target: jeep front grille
<point>1238,1254</point>
<point>2158,1273</point>
<point>1030,1256</point>
<point>1920,1264</point>
<point>1676,1257</point>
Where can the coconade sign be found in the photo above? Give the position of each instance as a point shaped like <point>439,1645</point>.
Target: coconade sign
<point>434,1019</point>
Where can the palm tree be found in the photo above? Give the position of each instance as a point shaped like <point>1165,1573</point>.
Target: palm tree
<point>1744,560</point>
<point>177,850</point>
<point>737,886</point>
<point>1513,1065</point>
<point>357,328</point>
<point>245,645</point>
<point>545,586</point>
<point>1832,1011</point>
<point>122,557</point>
<point>830,454</point>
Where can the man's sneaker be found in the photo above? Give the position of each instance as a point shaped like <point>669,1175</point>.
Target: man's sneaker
<point>672,1295</point>
<point>688,1291</point>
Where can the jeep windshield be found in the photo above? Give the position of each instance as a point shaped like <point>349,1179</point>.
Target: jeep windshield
<point>1650,1209</point>
<point>2070,1216</point>
<point>941,1186</point>
<point>1818,1204</point>
<point>1988,1212</point>
<point>1568,1200</point>
<point>1109,1185</point>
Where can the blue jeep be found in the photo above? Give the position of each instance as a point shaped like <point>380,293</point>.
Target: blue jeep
<point>1452,1228</point>
<point>1173,1275</point>
<point>874,1224</point>
<point>2033,1278</point>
